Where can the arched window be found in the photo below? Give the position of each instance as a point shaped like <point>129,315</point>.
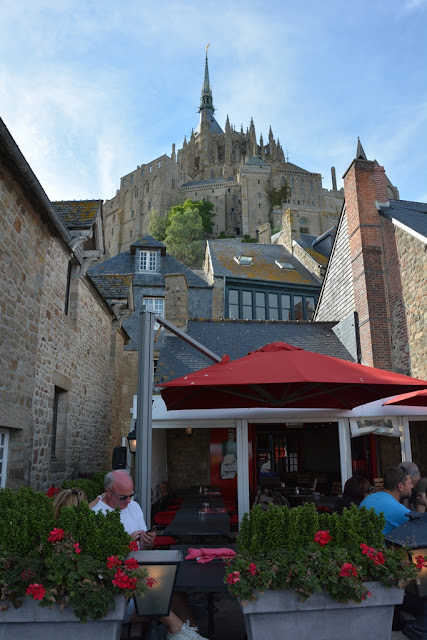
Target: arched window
<point>303,225</point>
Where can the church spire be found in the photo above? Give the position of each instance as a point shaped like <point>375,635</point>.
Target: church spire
<point>360,153</point>
<point>206,97</point>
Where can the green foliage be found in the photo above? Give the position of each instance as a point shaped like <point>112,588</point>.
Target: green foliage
<point>299,548</point>
<point>184,237</point>
<point>157,225</point>
<point>26,518</point>
<point>79,562</point>
<point>99,534</point>
<point>280,196</point>
<point>246,238</point>
<point>92,486</point>
<point>203,207</point>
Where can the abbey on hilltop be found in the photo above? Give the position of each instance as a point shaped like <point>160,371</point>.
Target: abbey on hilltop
<point>241,175</point>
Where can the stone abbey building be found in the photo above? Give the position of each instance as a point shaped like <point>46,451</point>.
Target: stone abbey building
<point>233,169</point>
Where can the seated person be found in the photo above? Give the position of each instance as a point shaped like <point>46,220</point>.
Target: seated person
<point>72,498</point>
<point>119,492</point>
<point>397,487</point>
<point>355,490</point>
<point>417,501</point>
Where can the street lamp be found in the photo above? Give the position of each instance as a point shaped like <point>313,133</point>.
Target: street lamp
<point>413,534</point>
<point>131,438</point>
<point>162,567</point>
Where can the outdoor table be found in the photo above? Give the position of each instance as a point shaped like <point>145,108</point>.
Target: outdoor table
<point>207,577</point>
<point>195,491</point>
<point>187,522</point>
<point>199,500</point>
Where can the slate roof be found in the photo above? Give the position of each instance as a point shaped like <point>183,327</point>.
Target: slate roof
<point>196,183</point>
<point>319,248</point>
<point>412,215</point>
<point>124,264</point>
<point>148,242</point>
<point>263,265</point>
<point>78,214</point>
<point>257,161</point>
<point>113,287</point>
<point>237,337</point>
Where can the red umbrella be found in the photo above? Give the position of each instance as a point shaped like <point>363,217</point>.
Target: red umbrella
<point>412,399</point>
<point>280,375</point>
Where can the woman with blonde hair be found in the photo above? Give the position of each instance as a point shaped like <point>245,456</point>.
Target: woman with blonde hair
<point>72,498</point>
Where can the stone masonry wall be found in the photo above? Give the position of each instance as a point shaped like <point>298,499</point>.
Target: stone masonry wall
<point>42,348</point>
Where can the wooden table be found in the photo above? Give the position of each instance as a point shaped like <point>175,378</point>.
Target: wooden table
<point>187,522</point>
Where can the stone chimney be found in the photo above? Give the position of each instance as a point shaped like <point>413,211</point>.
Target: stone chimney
<point>176,299</point>
<point>264,233</point>
<point>290,230</point>
<point>364,185</point>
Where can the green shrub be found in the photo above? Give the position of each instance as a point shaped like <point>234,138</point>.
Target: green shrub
<point>92,486</point>
<point>99,534</point>
<point>26,517</point>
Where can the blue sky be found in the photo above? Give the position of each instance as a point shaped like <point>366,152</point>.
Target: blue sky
<point>89,90</point>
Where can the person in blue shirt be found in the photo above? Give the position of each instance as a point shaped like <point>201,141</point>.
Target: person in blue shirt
<point>397,486</point>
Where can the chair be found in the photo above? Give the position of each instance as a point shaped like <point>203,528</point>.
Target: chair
<point>164,542</point>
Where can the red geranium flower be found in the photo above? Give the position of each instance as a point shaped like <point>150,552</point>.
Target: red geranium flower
<point>151,582</point>
<point>56,535</point>
<point>322,537</point>
<point>131,563</point>
<point>36,590</point>
<point>133,545</point>
<point>52,491</point>
<point>252,568</point>
<point>113,561</point>
<point>124,581</point>
<point>234,577</point>
<point>76,546</point>
<point>348,570</point>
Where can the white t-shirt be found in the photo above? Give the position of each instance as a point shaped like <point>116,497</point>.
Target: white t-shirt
<point>132,517</point>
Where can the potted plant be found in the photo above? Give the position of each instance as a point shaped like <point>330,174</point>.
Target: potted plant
<point>68,572</point>
<point>317,575</point>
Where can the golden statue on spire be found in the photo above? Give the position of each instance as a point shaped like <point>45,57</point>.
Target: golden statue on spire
<point>208,47</point>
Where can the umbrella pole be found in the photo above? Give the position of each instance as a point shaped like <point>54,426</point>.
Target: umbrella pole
<point>345,449</point>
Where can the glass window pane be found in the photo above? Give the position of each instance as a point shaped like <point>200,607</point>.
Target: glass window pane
<point>298,308</point>
<point>233,296</point>
<point>273,302</point>
<point>260,305</point>
<point>247,312</point>
<point>309,307</point>
<point>286,306</point>
<point>273,314</point>
<point>247,297</point>
<point>233,310</point>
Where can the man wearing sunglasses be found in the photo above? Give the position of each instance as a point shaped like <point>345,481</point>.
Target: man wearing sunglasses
<point>418,497</point>
<point>118,495</point>
<point>119,492</point>
<point>397,486</point>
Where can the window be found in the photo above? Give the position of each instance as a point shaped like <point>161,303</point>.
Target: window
<point>124,182</point>
<point>303,225</point>
<point>273,306</point>
<point>67,289</point>
<point>284,265</point>
<point>298,308</point>
<point>147,260</point>
<point>135,193</point>
<point>150,168</point>
<point>131,178</point>
<point>243,260</point>
<point>173,183</point>
<point>147,188</point>
<point>247,305</point>
<point>59,425</point>
<point>155,304</point>
<point>149,206</point>
<point>132,215</point>
<point>142,172</point>
<point>130,234</point>
<point>4,446</point>
<point>233,303</point>
<point>310,304</point>
<point>259,306</point>
<point>286,306</point>
<point>159,164</point>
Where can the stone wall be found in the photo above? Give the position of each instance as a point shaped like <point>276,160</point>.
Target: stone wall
<point>188,458</point>
<point>44,351</point>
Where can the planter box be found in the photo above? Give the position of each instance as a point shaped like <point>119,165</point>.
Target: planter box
<point>281,614</point>
<point>31,622</point>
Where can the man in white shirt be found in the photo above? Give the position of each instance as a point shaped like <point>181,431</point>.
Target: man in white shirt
<point>119,492</point>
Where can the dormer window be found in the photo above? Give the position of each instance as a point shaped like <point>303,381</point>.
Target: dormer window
<point>284,265</point>
<point>147,260</point>
<point>245,261</point>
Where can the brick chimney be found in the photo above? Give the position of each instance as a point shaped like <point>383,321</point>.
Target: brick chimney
<point>364,185</point>
<point>176,299</point>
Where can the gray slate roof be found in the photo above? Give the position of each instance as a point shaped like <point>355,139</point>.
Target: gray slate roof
<point>78,214</point>
<point>237,337</point>
<point>113,287</point>
<point>263,268</point>
<point>148,242</point>
<point>124,264</point>
<point>409,214</point>
<point>196,183</point>
<point>322,244</point>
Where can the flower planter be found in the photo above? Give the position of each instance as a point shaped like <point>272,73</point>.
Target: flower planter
<point>281,614</point>
<point>31,622</point>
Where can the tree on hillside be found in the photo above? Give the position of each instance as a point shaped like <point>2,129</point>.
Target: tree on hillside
<point>183,230</point>
<point>184,237</point>
<point>157,225</point>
